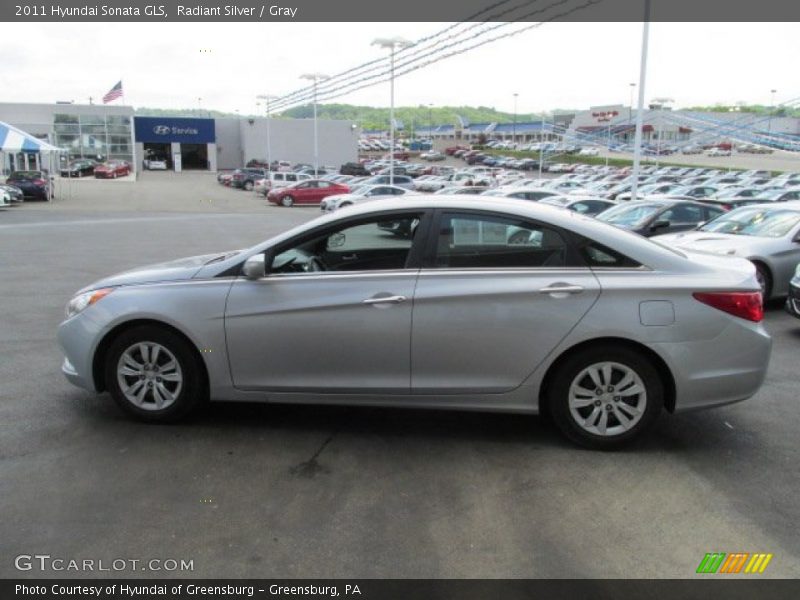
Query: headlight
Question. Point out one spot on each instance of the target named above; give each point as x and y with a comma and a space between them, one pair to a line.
82, 301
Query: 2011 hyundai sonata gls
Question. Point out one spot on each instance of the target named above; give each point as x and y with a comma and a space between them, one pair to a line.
440, 302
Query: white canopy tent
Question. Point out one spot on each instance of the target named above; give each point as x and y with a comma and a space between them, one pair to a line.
18, 143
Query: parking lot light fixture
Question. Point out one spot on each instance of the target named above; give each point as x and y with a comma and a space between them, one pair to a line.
392, 44
315, 78
267, 98
771, 110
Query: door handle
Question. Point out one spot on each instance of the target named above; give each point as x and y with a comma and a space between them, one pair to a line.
561, 288
385, 300
350, 257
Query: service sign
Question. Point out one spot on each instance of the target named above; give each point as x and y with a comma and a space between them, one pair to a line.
183, 130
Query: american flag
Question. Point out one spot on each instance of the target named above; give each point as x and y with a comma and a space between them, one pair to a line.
114, 93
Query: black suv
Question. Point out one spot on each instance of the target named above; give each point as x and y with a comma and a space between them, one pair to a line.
356, 169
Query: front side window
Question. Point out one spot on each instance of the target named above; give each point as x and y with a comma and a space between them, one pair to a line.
380, 244
477, 241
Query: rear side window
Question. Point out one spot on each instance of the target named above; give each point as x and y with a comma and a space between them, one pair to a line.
595, 254
469, 241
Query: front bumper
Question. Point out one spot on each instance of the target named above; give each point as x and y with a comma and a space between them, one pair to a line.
793, 301
78, 339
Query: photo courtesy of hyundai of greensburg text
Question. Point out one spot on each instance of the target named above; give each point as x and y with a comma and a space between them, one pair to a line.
493, 299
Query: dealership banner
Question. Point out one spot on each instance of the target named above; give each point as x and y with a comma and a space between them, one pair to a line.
405, 11
182, 130
405, 589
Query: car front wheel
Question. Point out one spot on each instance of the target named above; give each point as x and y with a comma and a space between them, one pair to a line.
287, 201
248, 186
603, 397
154, 374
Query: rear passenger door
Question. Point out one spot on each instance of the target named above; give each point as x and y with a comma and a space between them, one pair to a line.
494, 297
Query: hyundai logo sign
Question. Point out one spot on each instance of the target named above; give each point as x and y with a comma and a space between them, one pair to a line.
166, 130
175, 130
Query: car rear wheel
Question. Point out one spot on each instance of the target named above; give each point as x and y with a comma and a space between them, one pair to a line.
287, 201
605, 396
154, 374
248, 186
764, 278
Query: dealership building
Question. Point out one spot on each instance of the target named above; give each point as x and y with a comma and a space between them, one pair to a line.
105, 132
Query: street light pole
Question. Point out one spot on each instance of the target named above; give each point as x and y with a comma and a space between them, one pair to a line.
771, 110
514, 127
541, 147
630, 106
267, 98
661, 102
392, 44
430, 124
315, 78
637, 144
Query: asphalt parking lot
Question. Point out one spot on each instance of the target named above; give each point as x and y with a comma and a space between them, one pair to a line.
303, 491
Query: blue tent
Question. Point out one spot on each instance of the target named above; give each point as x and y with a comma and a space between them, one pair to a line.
16, 140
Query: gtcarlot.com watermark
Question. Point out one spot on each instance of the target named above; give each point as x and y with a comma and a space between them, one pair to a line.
48, 563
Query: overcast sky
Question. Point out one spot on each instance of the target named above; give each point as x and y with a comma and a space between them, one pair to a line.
559, 65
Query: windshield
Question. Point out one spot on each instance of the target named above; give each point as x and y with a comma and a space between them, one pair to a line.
631, 215
759, 222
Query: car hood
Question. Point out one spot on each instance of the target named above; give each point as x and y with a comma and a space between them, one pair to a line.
174, 270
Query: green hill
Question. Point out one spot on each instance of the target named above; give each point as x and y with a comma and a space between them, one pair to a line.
368, 117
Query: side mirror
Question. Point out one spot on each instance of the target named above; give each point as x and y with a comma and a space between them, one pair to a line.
254, 267
659, 225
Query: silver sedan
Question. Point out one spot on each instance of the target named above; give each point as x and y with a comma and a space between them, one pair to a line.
431, 303
766, 234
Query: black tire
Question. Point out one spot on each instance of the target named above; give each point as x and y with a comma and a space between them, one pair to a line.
193, 392
248, 186
558, 395
764, 279
287, 201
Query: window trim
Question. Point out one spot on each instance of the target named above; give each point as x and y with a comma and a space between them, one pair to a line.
429, 257
413, 261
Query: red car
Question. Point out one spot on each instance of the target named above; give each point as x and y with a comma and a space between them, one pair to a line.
306, 192
112, 169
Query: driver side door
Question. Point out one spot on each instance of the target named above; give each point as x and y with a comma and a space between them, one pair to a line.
343, 329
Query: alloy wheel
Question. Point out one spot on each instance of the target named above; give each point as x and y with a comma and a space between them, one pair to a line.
149, 376
607, 398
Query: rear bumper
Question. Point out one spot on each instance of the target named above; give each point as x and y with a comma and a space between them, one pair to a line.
726, 369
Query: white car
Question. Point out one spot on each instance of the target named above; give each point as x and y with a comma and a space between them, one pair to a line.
589, 152
5, 199
359, 194
719, 152
155, 164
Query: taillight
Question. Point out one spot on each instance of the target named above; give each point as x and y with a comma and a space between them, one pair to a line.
727, 206
745, 305
38, 182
